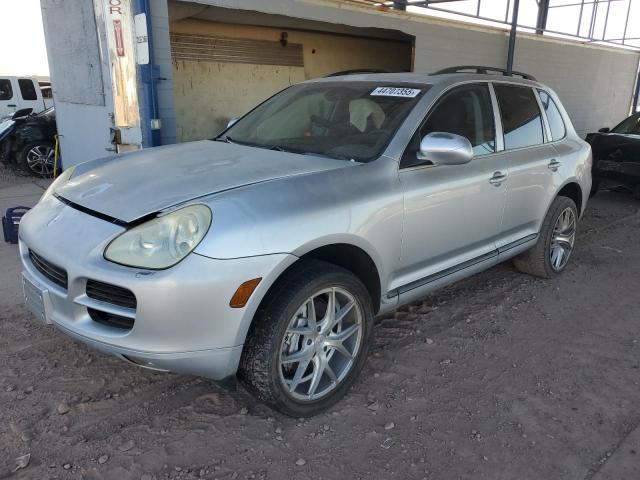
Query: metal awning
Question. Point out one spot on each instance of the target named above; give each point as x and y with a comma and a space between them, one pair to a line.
593, 18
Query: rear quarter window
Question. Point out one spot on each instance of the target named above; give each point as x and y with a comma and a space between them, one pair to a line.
521, 117
27, 89
6, 92
556, 123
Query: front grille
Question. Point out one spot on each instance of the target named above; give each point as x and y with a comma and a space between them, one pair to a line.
52, 272
110, 320
112, 294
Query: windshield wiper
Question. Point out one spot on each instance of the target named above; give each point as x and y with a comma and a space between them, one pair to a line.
225, 139
228, 139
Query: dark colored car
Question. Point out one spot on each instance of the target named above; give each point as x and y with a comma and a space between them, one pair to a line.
27, 141
616, 155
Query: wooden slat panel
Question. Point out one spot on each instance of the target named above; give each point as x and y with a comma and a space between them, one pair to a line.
235, 50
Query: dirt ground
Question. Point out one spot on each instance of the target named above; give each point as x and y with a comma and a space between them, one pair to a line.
501, 376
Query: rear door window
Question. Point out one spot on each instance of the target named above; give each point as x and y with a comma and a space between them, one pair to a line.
521, 117
629, 126
27, 89
556, 123
6, 92
465, 111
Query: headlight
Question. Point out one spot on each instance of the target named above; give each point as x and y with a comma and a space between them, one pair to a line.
161, 242
58, 182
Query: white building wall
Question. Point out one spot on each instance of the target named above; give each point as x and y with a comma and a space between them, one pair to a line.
595, 85
78, 79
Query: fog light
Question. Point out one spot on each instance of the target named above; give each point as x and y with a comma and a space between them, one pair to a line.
244, 291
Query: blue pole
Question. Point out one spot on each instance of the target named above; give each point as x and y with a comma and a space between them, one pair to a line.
149, 75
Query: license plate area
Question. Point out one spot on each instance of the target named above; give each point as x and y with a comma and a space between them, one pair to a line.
36, 299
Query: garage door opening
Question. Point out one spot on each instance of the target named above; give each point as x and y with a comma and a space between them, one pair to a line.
226, 61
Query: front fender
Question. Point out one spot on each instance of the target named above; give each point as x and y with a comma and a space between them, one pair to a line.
360, 206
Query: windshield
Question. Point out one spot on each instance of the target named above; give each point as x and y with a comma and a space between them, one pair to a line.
346, 120
629, 126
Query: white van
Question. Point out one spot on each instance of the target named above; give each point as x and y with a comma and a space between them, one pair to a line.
21, 92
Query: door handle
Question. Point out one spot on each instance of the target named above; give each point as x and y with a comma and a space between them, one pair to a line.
554, 165
11, 105
497, 179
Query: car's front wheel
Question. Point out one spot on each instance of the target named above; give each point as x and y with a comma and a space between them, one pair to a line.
555, 244
37, 158
309, 340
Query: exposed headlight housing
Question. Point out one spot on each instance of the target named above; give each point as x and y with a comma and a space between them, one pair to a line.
63, 178
162, 242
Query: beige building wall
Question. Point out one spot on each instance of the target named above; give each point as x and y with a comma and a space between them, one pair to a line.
207, 94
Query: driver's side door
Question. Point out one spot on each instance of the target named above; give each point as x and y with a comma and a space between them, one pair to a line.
452, 213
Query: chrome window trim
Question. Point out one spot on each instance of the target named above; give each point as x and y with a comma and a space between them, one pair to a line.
543, 114
392, 148
497, 119
537, 145
564, 123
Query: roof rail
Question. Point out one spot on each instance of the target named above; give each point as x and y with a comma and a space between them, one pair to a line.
484, 70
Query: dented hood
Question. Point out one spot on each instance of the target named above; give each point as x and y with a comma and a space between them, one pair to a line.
132, 185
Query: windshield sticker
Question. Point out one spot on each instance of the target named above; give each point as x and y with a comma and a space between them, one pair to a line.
395, 92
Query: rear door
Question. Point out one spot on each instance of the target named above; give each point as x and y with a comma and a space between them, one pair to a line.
532, 164
453, 213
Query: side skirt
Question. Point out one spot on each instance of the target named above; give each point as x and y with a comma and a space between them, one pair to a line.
419, 288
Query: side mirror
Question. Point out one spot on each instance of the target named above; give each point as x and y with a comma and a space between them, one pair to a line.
23, 112
441, 148
604, 130
232, 121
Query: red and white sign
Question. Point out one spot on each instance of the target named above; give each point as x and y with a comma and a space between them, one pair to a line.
117, 32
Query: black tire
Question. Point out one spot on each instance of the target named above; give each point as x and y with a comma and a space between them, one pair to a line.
23, 162
537, 260
260, 367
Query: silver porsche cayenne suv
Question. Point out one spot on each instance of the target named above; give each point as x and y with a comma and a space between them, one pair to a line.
266, 252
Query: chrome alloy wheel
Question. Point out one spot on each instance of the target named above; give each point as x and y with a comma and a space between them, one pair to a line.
40, 160
321, 344
562, 239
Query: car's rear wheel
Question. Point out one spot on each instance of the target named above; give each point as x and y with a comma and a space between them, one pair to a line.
309, 340
555, 244
37, 158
